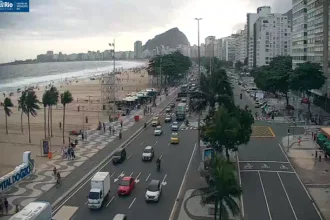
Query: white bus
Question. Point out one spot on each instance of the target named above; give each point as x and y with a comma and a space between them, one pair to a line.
34, 211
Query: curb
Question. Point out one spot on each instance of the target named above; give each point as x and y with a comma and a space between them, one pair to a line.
56, 205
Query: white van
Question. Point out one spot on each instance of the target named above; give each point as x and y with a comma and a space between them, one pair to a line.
34, 211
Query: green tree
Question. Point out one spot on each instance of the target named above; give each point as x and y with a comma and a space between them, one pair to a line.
22, 107
7, 104
223, 189
54, 97
31, 107
46, 103
66, 98
239, 65
307, 76
229, 128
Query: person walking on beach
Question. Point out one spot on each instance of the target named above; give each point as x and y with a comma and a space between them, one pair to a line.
6, 205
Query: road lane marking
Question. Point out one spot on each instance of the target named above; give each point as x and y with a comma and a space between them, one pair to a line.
73, 177
180, 189
163, 181
137, 177
86, 202
131, 174
148, 177
112, 174
156, 142
161, 156
129, 207
142, 143
129, 156
122, 174
267, 171
110, 201
287, 196
263, 190
164, 132
240, 183
168, 144
241, 161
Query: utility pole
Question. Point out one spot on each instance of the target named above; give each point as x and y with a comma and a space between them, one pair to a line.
199, 84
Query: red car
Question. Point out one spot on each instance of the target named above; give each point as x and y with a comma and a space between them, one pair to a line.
126, 186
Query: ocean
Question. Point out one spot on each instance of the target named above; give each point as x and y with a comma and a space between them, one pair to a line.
18, 76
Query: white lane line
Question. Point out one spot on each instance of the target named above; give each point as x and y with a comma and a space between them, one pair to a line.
129, 207
240, 183
268, 171
148, 177
142, 143
287, 196
168, 144
137, 177
263, 190
164, 132
180, 189
129, 156
73, 177
164, 178
155, 142
112, 174
110, 201
161, 156
86, 202
303, 185
131, 174
264, 162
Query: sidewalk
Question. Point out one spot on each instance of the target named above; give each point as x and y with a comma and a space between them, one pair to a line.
40, 185
313, 172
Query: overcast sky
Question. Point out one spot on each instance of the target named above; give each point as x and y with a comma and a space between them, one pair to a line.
80, 25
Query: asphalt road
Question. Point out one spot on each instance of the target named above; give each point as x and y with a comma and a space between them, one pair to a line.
175, 159
271, 187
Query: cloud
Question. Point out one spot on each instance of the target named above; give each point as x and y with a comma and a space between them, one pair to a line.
75, 18
278, 6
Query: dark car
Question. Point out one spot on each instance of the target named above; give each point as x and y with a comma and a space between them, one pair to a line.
172, 105
119, 156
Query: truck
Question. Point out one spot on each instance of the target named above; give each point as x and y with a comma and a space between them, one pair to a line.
100, 189
180, 111
34, 211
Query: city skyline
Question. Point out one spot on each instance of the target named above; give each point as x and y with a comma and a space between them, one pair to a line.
41, 27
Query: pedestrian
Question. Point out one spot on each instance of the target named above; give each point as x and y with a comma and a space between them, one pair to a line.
82, 136
73, 156
121, 123
6, 205
103, 127
113, 130
109, 129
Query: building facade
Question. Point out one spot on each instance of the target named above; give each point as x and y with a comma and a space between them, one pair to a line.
272, 37
138, 49
209, 44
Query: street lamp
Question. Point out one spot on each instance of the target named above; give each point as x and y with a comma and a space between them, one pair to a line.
199, 83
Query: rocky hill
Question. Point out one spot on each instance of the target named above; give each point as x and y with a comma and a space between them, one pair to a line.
171, 38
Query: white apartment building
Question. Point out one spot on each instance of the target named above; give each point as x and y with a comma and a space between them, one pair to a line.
251, 19
217, 48
202, 50
299, 32
194, 51
272, 38
185, 50
241, 46
209, 44
228, 48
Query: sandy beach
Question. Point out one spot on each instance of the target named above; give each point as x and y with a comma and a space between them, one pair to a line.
86, 94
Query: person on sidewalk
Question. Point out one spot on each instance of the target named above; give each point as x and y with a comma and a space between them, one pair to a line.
1, 207
6, 205
121, 123
110, 129
17, 209
103, 127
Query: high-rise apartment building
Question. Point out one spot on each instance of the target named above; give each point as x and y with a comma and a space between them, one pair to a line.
251, 18
209, 44
228, 48
217, 48
272, 37
299, 32
138, 49
241, 46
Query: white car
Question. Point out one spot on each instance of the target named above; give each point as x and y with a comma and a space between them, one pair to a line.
154, 191
168, 118
158, 131
175, 126
148, 153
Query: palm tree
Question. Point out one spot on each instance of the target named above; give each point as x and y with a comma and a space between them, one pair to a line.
7, 104
54, 96
222, 190
31, 107
21, 106
45, 102
66, 98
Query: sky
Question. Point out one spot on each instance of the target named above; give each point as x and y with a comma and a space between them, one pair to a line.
75, 26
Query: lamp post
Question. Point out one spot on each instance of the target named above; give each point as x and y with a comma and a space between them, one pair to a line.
199, 84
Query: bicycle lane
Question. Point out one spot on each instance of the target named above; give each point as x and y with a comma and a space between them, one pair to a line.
99, 144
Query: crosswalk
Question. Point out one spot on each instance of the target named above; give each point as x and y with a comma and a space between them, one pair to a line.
160, 114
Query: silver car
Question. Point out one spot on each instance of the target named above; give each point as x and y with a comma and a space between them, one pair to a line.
158, 131
154, 191
148, 153
175, 126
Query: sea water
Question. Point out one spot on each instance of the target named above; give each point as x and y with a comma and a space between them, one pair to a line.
14, 77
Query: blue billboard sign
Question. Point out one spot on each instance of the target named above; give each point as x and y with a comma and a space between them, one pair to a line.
14, 5
208, 154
